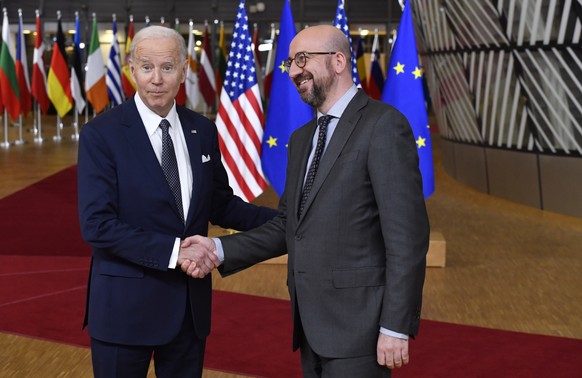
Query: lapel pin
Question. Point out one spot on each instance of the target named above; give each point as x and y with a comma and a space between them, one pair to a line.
193, 131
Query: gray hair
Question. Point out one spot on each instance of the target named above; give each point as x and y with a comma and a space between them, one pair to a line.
158, 32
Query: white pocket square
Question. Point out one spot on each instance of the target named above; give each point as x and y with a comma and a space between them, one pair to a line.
205, 158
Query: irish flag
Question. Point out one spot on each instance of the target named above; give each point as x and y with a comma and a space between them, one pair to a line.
8, 80
95, 85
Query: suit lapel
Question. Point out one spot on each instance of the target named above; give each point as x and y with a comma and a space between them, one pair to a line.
304, 147
343, 130
195, 153
140, 143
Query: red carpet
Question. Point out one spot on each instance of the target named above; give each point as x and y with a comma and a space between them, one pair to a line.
42, 294
40, 218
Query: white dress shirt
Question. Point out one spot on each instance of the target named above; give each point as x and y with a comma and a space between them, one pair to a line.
151, 122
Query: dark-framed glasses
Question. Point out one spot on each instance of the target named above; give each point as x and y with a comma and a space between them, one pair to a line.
302, 56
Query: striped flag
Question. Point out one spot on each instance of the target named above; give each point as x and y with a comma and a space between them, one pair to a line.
404, 90
206, 76
22, 71
341, 22
126, 80
268, 79
257, 57
361, 64
8, 80
221, 66
192, 88
240, 115
286, 111
95, 85
181, 95
76, 70
376, 79
59, 80
113, 79
38, 70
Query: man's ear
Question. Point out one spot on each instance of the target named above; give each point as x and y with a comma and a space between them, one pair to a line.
339, 62
184, 70
131, 70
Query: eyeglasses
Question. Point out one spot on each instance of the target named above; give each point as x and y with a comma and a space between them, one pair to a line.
301, 58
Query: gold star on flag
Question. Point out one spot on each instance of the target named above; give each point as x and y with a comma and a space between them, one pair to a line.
399, 68
420, 142
282, 66
272, 142
417, 73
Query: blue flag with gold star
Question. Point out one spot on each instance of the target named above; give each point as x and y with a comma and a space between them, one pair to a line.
286, 110
403, 89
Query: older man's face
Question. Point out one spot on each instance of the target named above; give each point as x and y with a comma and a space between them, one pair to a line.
158, 70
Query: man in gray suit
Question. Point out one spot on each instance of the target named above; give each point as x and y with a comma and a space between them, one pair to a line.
352, 219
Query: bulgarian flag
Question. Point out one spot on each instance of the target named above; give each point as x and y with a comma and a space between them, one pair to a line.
95, 85
8, 80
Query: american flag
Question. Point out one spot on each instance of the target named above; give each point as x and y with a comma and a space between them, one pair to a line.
341, 22
240, 117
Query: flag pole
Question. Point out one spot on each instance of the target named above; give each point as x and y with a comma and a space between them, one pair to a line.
34, 129
58, 137
19, 141
5, 144
38, 138
75, 135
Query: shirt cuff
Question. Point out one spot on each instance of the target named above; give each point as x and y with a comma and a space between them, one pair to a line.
393, 334
175, 253
219, 249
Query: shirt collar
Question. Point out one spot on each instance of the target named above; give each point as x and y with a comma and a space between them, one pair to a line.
150, 119
338, 108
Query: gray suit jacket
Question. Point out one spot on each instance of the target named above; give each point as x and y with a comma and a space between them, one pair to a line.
357, 253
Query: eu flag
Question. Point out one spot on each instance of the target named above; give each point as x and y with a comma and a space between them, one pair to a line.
404, 90
286, 110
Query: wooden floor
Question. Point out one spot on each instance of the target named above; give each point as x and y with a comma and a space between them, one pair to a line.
508, 267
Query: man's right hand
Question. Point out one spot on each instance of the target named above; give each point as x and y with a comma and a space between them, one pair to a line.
197, 256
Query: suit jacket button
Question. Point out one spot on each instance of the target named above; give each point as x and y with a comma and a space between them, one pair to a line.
298, 237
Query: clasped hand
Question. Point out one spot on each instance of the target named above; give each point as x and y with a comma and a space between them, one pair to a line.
197, 256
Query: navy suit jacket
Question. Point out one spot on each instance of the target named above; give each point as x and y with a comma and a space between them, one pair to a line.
129, 217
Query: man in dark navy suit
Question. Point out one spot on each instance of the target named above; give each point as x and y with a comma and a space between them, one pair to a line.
150, 174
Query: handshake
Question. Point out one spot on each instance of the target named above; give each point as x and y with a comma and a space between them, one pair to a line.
198, 256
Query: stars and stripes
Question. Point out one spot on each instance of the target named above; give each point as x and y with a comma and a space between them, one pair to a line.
341, 22
240, 116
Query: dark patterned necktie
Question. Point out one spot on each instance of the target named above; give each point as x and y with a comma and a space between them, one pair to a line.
322, 122
170, 166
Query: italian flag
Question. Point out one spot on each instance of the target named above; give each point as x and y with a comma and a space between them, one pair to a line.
8, 81
95, 86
